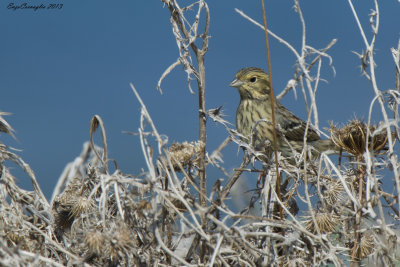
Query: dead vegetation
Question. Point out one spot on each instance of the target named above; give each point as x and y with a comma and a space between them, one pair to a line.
336, 210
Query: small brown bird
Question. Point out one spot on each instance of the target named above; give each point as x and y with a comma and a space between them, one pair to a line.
254, 116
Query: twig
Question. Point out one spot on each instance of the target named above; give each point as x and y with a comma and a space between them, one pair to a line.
234, 178
290, 85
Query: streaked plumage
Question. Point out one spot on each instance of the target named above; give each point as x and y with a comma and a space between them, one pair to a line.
255, 105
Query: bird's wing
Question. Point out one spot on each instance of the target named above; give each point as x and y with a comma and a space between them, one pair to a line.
293, 128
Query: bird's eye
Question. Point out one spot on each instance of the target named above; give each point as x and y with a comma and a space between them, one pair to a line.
253, 79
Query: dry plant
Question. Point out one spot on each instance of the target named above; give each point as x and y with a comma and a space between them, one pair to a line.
323, 214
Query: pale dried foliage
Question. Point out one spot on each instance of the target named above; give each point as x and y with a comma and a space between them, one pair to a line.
336, 210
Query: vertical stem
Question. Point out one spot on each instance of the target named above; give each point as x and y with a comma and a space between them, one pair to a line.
202, 136
166, 227
355, 254
397, 88
202, 128
278, 177
189, 34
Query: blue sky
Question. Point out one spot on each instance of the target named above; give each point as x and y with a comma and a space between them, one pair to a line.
58, 68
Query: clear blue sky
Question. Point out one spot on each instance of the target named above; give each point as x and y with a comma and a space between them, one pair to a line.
60, 67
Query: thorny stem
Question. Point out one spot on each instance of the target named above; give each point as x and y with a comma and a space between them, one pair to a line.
355, 254
166, 227
178, 17
202, 117
202, 129
278, 178
202, 136
369, 55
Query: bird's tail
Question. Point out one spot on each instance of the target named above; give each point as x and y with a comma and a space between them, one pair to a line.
326, 146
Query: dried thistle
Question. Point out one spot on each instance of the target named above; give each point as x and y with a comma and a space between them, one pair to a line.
365, 247
353, 137
81, 205
72, 203
185, 154
325, 221
94, 240
120, 241
367, 244
335, 192
297, 259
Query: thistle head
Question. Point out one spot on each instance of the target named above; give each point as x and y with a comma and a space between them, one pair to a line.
354, 138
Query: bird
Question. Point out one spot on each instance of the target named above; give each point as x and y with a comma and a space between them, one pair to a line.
254, 118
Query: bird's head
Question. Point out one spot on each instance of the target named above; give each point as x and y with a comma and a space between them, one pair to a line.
252, 83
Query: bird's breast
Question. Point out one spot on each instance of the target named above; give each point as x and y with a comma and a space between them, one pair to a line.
249, 112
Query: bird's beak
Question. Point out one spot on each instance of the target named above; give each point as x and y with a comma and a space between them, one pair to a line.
236, 83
